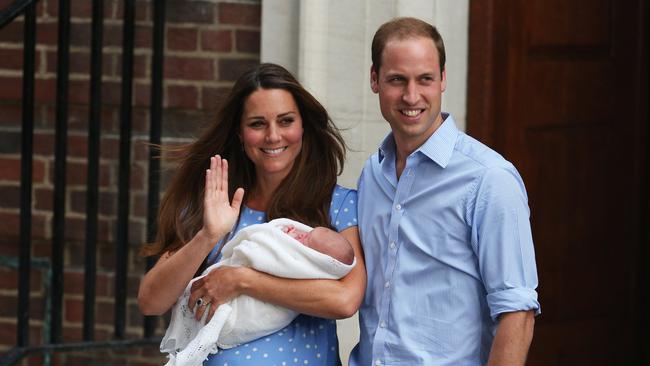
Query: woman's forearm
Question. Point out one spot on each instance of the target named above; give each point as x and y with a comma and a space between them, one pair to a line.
166, 281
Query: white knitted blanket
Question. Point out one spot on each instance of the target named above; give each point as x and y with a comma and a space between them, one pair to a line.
265, 248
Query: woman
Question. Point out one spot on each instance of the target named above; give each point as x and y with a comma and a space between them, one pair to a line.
274, 141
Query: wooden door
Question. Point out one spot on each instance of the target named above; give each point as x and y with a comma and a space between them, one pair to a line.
559, 87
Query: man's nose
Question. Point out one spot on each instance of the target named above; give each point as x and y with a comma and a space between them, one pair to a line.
411, 94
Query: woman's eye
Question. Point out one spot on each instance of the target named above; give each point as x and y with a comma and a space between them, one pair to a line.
287, 121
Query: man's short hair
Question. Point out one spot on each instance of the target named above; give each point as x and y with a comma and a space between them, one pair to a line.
403, 28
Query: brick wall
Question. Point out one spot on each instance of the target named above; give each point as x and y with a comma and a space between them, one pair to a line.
207, 45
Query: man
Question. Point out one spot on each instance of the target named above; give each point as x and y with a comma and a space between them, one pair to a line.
444, 224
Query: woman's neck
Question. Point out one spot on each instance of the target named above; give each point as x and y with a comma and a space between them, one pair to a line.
262, 192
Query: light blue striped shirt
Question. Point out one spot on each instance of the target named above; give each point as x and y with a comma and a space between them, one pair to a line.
448, 248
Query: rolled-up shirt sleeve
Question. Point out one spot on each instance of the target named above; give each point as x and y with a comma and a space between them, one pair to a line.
503, 243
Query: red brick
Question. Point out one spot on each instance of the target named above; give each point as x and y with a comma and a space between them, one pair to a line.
79, 62
110, 147
8, 306
105, 283
43, 199
138, 177
45, 90
231, 68
196, 12
12, 114
181, 123
13, 32
113, 35
36, 306
75, 229
9, 225
73, 310
216, 40
140, 120
134, 316
182, 96
142, 94
73, 282
10, 169
107, 204
143, 36
11, 59
140, 66
10, 142
12, 88
47, 33
213, 97
241, 14
111, 92
71, 333
78, 8
104, 313
189, 68
77, 173
140, 205
9, 278
10, 196
141, 151
182, 39
77, 146
7, 333
248, 41
43, 143
142, 10
80, 34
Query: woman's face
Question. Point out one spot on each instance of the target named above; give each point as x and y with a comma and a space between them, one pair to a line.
271, 132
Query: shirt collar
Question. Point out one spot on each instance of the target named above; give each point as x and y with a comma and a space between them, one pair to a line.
439, 147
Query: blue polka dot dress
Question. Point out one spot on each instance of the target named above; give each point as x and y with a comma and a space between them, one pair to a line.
308, 340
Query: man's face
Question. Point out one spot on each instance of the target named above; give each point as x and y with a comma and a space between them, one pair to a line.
410, 86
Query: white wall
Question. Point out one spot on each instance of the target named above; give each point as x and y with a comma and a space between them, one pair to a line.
326, 44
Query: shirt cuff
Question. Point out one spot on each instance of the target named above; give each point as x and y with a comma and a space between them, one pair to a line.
513, 299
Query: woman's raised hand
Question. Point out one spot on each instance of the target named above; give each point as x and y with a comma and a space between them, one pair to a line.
219, 214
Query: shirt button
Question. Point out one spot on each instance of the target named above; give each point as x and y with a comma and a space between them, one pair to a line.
382, 324
398, 207
387, 284
378, 363
392, 245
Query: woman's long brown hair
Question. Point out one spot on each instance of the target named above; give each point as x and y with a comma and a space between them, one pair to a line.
304, 195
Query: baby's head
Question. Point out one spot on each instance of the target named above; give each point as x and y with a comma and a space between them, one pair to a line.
330, 242
325, 241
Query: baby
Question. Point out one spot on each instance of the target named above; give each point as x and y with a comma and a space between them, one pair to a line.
323, 240
281, 247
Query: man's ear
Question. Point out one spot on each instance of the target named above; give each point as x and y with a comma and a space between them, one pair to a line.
374, 80
443, 82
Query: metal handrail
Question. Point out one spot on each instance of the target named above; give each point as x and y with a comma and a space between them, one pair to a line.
13, 10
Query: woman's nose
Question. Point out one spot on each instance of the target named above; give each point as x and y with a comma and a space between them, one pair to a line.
272, 133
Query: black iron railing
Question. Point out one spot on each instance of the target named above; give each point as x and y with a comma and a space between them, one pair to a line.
25, 262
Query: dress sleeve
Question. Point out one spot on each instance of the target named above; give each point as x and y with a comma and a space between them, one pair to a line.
343, 209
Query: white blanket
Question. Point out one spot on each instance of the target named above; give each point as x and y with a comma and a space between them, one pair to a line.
265, 248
